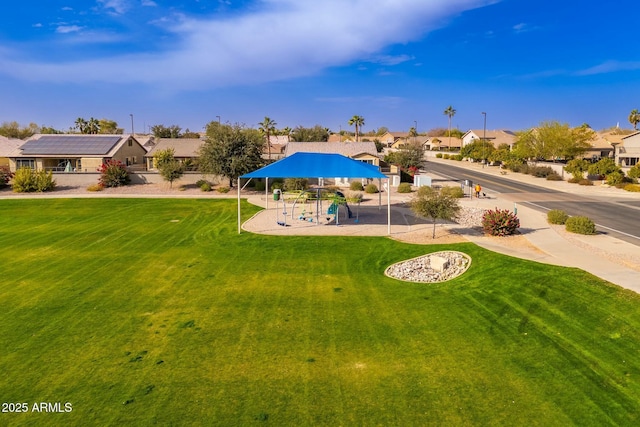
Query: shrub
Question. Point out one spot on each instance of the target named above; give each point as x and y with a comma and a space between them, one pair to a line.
371, 189
205, 186
259, 186
455, 192
446, 156
557, 216
580, 225
438, 155
635, 188
634, 172
356, 186
554, 176
541, 171
577, 167
575, 180
604, 166
200, 182
95, 187
404, 187
113, 173
277, 183
615, 178
294, 184
5, 176
26, 180
353, 197
585, 182
223, 189
500, 222
458, 157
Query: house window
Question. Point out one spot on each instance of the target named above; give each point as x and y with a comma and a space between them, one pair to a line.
134, 160
25, 163
130, 143
368, 161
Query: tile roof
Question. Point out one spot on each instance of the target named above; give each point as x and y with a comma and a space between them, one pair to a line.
183, 147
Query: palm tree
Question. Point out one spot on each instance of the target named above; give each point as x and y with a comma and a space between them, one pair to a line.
268, 127
358, 122
450, 111
287, 132
634, 118
81, 124
93, 126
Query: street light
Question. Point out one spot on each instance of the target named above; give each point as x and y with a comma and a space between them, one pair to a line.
415, 131
132, 132
218, 119
484, 136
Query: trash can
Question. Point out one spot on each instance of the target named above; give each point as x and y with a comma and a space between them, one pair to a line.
276, 194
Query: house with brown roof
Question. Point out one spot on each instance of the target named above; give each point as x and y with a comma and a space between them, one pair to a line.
185, 150
7, 147
390, 138
440, 143
76, 152
495, 137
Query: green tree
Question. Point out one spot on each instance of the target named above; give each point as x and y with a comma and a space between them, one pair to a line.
314, 134
168, 166
450, 112
358, 122
190, 135
634, 118
577, 168
49, 130
552, 140
268, 128
287, 132
93, 126
81, 125
107, 126
161, 131
410, 155
14, 130
478, 150
435, 204
231, 150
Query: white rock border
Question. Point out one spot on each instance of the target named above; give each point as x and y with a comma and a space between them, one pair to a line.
421, 270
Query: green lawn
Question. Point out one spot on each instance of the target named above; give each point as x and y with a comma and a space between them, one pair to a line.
155, 311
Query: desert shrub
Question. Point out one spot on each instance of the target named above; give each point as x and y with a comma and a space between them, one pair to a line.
519, 167
541, 171
353, 197
457, 157
634, 188
585, 182
205, 186
26, 180
259, 186
634, 172
294, 184
554, 176
5, 176
574, 180
615, 178
604, 166
557, 216
446, 156
455, 192
371, 189
577, 168
223, 189
113, 173
95, 187
276, 183
356, 186
200, 182
513, 165
580, 225
438, 155
404, 187
500, 222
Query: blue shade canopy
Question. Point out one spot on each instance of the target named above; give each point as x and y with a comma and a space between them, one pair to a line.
317, 165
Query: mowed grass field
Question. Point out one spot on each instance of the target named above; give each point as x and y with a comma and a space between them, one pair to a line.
155, 311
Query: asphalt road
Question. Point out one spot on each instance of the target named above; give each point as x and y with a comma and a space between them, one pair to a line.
617, 217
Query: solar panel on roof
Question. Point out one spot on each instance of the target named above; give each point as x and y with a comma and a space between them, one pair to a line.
70, 145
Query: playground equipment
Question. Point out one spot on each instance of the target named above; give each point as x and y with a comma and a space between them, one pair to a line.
320, 195
277, 196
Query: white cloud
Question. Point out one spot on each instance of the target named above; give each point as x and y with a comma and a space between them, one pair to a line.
149, 3
65, 29
67, 8
273, 40
37, 25
119, 7
610, 67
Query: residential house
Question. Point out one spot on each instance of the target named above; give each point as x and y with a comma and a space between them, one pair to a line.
601, 146
390, 138
76, 152
440, 143
628, 152
496, 137
401, 142
7, 147
186, 150
277, 144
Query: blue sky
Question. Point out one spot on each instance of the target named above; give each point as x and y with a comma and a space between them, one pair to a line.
394, 62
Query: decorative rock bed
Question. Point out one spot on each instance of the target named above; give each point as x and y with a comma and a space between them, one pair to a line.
431, 268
